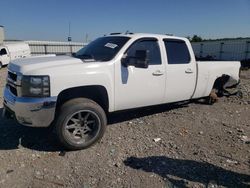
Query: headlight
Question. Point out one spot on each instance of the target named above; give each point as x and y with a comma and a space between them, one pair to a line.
35, 86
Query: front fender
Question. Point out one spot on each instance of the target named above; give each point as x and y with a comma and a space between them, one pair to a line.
83, 75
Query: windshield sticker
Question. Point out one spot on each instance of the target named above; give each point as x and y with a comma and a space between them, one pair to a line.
111, 45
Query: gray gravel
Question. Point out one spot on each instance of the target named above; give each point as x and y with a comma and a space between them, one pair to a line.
185, 145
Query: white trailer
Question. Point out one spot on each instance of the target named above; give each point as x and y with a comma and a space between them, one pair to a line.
11, 51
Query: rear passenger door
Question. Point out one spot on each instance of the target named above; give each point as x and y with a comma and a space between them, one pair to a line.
180, 71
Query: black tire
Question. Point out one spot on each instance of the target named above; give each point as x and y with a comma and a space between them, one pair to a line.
1, 65
72, 136
212, 98
209, 100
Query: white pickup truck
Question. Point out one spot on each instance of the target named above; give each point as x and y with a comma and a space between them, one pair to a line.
113, 73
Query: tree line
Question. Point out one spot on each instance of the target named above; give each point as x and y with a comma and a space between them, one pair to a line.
196, 38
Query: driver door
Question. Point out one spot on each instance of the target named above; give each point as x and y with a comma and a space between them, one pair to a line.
138, 87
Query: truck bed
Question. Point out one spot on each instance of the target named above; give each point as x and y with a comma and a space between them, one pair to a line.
209, 71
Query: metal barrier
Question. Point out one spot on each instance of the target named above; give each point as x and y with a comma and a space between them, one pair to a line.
58, 49
238, 50
54, 47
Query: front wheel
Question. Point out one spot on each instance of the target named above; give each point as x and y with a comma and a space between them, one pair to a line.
81, 123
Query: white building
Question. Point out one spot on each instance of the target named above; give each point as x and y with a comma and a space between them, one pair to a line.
1, 34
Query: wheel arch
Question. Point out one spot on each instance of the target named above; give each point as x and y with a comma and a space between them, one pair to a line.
96, 93
220, 81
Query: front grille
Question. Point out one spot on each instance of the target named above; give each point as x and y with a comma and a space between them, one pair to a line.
13, 90
12, 83
12, 76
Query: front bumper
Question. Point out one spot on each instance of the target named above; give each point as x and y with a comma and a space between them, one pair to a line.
32, 112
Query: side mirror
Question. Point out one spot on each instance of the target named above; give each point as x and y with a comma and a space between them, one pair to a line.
140, 60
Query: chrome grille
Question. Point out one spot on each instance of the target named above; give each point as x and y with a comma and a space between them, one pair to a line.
12, 76
12, 83
13, 90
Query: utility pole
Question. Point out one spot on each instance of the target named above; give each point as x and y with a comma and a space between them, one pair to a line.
69, 36
86, 38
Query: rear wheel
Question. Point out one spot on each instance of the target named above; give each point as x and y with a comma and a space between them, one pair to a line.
80, 124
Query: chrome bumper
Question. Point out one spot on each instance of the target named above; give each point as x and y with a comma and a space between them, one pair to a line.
32, 112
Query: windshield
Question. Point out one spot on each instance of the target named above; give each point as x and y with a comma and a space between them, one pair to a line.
102, 49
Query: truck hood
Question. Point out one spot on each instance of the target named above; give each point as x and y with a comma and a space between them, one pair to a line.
26, 65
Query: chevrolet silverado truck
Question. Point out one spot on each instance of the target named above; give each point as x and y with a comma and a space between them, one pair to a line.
113, 73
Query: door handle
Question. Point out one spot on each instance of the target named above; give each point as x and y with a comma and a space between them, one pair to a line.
158, 73
188, 71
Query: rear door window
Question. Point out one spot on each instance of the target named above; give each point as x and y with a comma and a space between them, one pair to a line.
177, 51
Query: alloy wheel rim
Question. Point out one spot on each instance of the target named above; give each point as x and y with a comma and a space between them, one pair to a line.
82, 127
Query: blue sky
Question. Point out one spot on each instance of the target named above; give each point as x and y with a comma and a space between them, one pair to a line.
49, 19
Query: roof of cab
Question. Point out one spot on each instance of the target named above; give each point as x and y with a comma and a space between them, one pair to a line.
140, 35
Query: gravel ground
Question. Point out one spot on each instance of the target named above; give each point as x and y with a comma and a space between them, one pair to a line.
184, 145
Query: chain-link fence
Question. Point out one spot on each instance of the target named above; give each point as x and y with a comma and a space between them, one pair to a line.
237, 50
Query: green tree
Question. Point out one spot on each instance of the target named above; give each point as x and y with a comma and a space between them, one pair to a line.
196, 38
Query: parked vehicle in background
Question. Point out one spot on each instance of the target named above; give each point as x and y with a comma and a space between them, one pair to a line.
12, 51
112, 73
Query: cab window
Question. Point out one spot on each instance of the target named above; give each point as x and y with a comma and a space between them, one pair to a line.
3, 51
149, 45
177, 51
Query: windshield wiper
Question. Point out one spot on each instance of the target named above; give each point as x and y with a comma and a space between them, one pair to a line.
103, 59
85, 56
